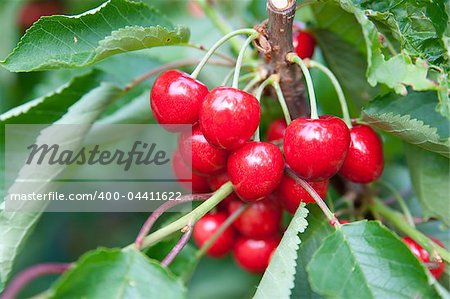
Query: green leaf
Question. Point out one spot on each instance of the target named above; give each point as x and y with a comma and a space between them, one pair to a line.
412, 118
366, 260
430, 175
278, 279
16, 226
183, 264
115, 27
418, 25
112, 273
396, 72
318, 229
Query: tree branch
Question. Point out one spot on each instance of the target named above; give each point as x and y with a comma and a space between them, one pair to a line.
281, 16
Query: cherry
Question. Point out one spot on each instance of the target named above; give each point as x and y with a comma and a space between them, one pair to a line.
303, 41
229, 117
205, 229
198, 183
204, 158
260, 219
254, 255
364, 162
316, 148
424, 256
290, 193
255, 170
276, 130
176, 99
215, 182
31, 12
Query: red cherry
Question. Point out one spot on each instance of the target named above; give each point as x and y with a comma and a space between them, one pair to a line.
276, 130
205, 229
187, 179
31, 12
364, 162
260, 219
254, 255
176, 99
344, 221
316, 148
229, 117
291, 194
204, 158
424, 256
255, 170
215, 182
303, 41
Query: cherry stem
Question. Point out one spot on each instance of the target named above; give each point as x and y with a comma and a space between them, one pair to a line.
216, 46
220, 230
337, 87
258, 96
168, 66
240, 58
187, 232
192, 217
28, 275
400, 201
281, 100
219, 21
312, 96
398, 220
257, 78
160, 210
322, 205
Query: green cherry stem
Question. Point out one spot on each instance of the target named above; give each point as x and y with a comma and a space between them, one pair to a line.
258, 96
400, 201
191, 217
240, 58
312, 96
337, 87
227, 77
319, 201
221, 229
257, 78
398, 221
284, 108
216, 46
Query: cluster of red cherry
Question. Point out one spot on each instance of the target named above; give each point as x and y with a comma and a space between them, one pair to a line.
219, 150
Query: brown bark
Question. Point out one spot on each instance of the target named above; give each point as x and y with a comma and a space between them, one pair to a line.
280, 38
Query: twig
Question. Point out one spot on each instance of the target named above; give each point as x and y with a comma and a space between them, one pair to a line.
160, 210
187, 232
30, 274
280, 38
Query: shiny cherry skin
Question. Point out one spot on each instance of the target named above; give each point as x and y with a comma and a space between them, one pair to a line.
255, 170
290, 193
276, 130
304, 42
176, 99
215, 182
198, 184
205, 229
229, 117
424, 256
253, 255
260, 219
196, 151
316, 148
364, 162
31, 12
